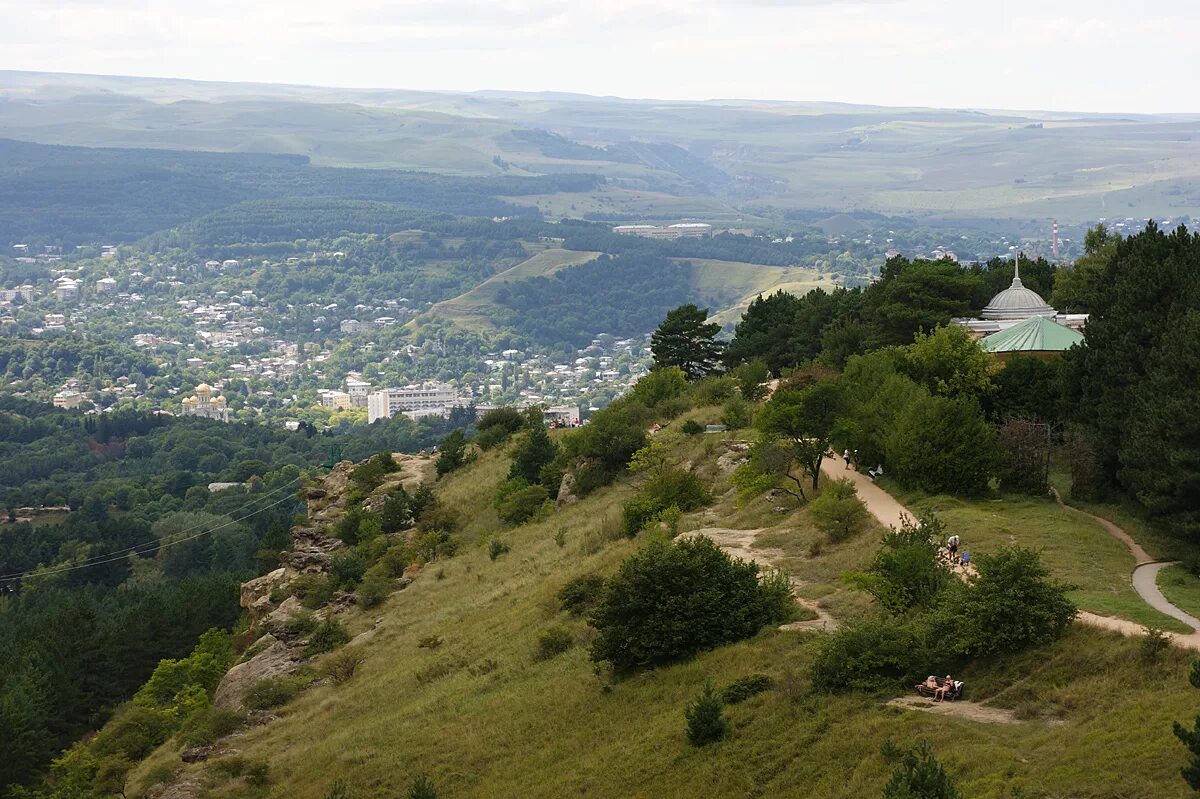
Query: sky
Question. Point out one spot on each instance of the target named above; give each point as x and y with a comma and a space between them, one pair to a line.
1069, 55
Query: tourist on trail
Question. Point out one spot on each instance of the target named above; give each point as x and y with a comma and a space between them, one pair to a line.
846, 458
952, 545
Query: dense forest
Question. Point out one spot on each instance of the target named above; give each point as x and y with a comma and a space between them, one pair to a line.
73, 195
80, 628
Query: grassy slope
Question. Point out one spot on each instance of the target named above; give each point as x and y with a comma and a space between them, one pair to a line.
1076, 549
474, 308
551, 729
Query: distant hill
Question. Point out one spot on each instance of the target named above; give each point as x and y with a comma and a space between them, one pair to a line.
746, 156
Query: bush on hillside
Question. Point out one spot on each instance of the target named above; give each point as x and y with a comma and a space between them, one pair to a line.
553, 642
535, 452
422, 788
371, 472
673, 599
346, 568
340, 666
713, 390
737, 414
869, 655
919, 775
669, 488
496, 548
522, 504
1012, 605
691, 427
313, 590
273, 692
705, 717
452, 453
326, 637
838, 512
495, 426
600, 449
375, 586
659, 386
209, 725
907, 572
743, 688
751, 378
579, 595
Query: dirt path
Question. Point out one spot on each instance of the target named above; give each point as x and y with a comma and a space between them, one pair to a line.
740, 544
884, 507
960, 709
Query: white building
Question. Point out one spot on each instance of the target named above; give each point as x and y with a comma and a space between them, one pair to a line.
106, 285
353, 326
412, 401
66, 289
358, 391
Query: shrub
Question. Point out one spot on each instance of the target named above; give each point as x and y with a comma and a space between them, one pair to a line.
496, 548
340, 666
673, 599
669, 488
535, 453
273, 692
751, 378
659, 386
257, 774
396, 513
553, 642
606, 442
430, 642
1153, 646
313, 590
713, 390
838, 512
705, 717
422, 788
737, 414
435, 544
867, 656
301, 624
347, 568
451, 453
579, 595
396, 559
691, 427
920, 776
328, 636
375, 586
495, 426
523, 504
1025, 448
906, 572
371, 472
210, 724
560, 537
743, 688
1011, 606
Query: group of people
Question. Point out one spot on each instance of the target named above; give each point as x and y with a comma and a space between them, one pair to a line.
940, 689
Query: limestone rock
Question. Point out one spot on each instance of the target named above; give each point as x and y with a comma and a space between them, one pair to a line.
566, 491
737, 453
277, 659
256, 594
278, 619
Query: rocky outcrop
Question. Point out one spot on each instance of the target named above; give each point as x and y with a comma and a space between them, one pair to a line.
566, 491
312, 550
256, 594
736, 453
276, 658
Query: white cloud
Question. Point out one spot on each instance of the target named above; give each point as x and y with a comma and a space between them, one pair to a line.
1071, 54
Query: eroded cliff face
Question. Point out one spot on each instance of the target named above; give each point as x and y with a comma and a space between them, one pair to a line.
269, 600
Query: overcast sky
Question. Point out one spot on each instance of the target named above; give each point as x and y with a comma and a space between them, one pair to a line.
1089, 55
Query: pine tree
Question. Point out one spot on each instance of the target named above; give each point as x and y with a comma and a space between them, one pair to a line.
920, 776
535, 452
1190, 737
705, 717
685, 339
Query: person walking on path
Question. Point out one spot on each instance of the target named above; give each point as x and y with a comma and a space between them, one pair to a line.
846, 458
952, 545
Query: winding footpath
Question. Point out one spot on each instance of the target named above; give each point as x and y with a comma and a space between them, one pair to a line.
888, 510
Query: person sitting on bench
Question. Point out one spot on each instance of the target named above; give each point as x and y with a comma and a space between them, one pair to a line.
946, 687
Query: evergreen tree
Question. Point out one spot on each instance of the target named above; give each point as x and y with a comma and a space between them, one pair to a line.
451, 453
920, 776
705, 717
535, 453
686, 340
1190, 737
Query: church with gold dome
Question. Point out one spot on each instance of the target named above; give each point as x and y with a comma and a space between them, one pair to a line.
204, 403
1019, 321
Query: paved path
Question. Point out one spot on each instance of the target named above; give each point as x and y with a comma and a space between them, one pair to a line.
884, 507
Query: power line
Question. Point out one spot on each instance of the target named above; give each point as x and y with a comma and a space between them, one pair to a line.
100, 560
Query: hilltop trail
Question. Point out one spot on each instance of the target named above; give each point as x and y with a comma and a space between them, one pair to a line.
888, 510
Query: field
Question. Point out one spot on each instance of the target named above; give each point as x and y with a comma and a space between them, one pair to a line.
481, 717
